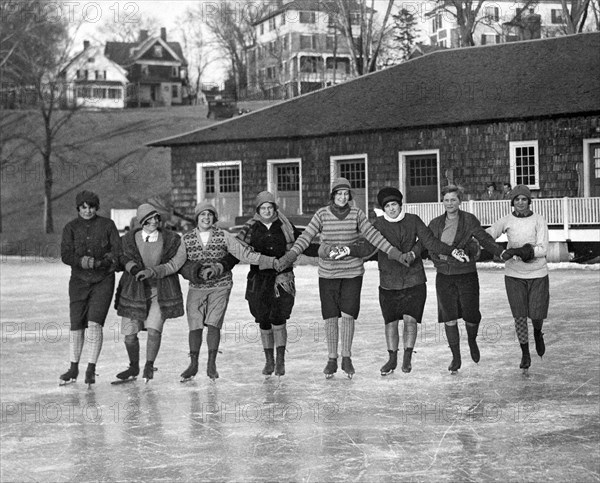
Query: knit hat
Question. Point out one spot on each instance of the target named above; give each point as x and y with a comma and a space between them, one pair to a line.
265, 197
388, 194
88, 197
340, 184
203, 206
518, 190
144, 212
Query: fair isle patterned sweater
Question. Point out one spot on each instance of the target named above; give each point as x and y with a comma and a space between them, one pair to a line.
338, 232
218, 245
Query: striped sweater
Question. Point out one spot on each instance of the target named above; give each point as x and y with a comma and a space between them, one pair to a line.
338, 232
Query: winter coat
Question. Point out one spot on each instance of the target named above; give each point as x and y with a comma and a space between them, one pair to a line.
133, 297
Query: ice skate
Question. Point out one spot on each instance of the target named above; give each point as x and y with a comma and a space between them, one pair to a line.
211, 366
269, 364
149, 370
347, 367
456, 360
406, 361
525, 359
280, 362
192, 369
128, 375
390, 365
540, 346
70, 376
474, 349
331, 368
90, 375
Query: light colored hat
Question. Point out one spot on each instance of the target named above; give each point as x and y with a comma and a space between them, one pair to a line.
203, 206
340, 184
144, 212
518, 190
265, 197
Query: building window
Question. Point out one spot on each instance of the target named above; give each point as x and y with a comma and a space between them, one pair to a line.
354, 170
307, 17
422, 171
158, 51
355, 18
487, 39
145, 70
174, 72
262, 28
596, 156
524, 164
114, 93
288, 177
175, 91
229, 180
330, 42
91, 60
209, 181
78, 74
283, 19
557, 16
436, 22
308, 41
311, 65
272, 25
286, 43
492, 14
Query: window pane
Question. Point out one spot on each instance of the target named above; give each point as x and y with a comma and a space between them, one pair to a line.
209, 181
229, 180
422, 171
597, 162
525, 165
288, 178
354, 171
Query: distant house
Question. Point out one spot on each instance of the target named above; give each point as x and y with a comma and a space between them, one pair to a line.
298, 49
156, 70
94, 81
524, 112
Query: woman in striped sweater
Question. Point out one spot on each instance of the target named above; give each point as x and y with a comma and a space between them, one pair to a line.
340, 281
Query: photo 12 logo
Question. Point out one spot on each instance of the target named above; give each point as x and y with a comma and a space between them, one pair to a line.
72, 12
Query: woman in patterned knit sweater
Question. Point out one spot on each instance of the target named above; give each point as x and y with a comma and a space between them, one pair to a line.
211, 254
526, 272
149, 290
340, 281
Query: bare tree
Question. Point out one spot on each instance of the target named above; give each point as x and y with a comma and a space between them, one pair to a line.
575, 14
35, 65
363, 36
125, 26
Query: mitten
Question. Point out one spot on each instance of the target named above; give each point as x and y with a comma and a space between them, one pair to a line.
87, 263
473, 249
339, 252
266, 263
507, 254
286, 261
460, 255
395, 254
407, 258
324, 250
135, 270
526, 252
214, 270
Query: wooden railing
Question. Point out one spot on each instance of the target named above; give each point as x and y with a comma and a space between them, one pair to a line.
561, 213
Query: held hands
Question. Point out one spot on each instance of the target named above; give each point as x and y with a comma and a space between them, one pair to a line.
407, 258
87, 263
144, 274
337, 253
285, 261
525, 253
214, 270
460, 255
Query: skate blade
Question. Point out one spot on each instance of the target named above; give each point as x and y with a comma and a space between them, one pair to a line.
454, 373
328, 376
123, 381
187, 379
66, 383
387, 373
406, 370
525, 371
349, 376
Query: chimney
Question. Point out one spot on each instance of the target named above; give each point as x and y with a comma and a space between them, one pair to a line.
143, 35
163, 33
86, 44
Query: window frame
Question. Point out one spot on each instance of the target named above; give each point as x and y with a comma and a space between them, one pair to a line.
334, 173
513, 145
272, 181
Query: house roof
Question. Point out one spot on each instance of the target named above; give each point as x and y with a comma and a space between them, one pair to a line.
518, 80
126, 53
94, 51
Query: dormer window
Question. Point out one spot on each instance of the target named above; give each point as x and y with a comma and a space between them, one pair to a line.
158, 51
91, 60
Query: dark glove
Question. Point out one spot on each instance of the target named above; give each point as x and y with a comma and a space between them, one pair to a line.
102, 263
214, 270
525, 253
473, 249
407, 258
285, 261
135, 270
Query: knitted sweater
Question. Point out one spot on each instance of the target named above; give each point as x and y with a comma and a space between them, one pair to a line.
340, 232
219, 244
519, 231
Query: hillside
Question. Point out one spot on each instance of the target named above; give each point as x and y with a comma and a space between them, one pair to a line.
100, 151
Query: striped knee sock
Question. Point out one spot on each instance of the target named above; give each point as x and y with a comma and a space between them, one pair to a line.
331, 336
521, 329
347, 334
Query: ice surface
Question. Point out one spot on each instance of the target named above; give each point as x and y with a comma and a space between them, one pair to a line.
488, 423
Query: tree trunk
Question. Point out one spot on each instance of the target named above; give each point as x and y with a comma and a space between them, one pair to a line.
48, 218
